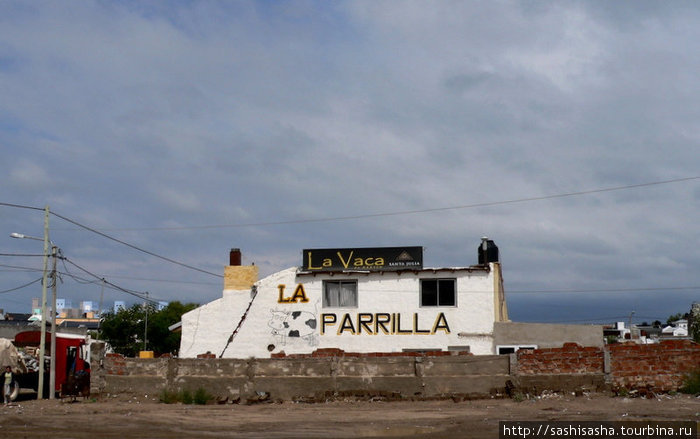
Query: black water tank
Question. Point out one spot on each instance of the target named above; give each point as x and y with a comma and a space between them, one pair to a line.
488, 252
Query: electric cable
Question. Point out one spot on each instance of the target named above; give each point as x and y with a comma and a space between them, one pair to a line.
21, 286
115, 239
140, 295
164, 280
411, 212
343, 218
104, 235
606, 290
17, 267
20, 206
21, 254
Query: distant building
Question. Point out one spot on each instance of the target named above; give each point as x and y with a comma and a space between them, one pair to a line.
679, 328
119, 304
616, 331
161, 305
18, 317
36, 306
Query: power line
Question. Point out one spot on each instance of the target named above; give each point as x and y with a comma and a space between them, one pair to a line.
21, 268
344, 218
411, 212
140, 295
76, 278
79, 279
16, 267
20, 254
104, 235
20, 206
172, 261
21, 286
606, 290
164, 280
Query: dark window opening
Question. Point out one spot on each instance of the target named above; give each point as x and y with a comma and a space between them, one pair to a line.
437, 292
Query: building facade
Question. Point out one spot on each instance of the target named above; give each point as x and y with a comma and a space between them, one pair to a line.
357, 300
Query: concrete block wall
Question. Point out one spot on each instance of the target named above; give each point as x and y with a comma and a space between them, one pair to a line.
288, 378
131, 375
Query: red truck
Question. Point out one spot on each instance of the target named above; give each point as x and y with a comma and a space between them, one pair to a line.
72, 370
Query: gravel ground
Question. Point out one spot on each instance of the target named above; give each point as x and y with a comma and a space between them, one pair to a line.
144, 417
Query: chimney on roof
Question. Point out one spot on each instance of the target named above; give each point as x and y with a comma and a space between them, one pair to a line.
488, 251
237, 276
235, 257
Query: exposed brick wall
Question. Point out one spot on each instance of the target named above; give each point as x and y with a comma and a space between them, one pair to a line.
570, 359
115, 364
661, 366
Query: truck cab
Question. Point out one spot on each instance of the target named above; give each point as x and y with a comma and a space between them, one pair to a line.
70, 357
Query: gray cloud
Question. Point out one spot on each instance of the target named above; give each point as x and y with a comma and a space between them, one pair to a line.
131, 116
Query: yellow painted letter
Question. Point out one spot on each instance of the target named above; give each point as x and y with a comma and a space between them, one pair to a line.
299, 295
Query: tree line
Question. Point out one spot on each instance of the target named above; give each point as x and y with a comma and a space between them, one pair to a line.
143, 328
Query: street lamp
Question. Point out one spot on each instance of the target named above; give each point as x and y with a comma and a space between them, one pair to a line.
42, 343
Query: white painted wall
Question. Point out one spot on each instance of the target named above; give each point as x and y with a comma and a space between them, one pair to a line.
208, 327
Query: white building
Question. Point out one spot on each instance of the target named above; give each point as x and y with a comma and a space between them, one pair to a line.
679, 328
357, 300
119, 305
87, 306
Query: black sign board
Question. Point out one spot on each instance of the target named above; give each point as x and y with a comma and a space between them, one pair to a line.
363, 259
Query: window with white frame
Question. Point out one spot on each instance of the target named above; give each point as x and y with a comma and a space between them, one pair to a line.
340, 294
438, 292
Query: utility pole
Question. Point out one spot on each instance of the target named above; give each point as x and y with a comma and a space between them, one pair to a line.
42, 343
52, 371
44, 286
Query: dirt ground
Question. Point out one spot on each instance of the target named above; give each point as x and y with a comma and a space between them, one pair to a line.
144, 417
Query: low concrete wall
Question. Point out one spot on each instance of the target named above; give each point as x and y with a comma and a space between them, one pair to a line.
659, 367
290, 378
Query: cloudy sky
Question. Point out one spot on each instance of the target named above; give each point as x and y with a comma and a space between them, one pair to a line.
188, 128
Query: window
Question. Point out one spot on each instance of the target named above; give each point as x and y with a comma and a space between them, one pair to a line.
437, 292
340, 293
511, 349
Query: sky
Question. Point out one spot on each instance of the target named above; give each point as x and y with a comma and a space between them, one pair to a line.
565, 131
